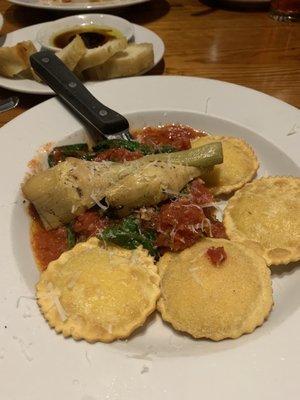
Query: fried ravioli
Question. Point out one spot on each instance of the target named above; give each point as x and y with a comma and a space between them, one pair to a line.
239, 164
265, 215
215, 301
98, 294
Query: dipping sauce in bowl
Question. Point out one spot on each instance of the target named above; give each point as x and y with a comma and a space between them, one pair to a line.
92, 35
94, 29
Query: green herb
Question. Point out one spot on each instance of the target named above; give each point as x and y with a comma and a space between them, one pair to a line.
73, 148
71, 239
89, 156
60, 153
131, 145
128, 234
164, 149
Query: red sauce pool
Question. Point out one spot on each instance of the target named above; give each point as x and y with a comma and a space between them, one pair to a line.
47, 245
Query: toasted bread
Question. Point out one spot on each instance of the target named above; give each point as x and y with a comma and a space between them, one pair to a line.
98, 55
15, 59
135, 59
72, 53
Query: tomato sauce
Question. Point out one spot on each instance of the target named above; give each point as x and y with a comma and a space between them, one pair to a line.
58, 156
176, 136
182, 222
179, 224
89, 224
47, 245
199, 193
216, 255
217, 230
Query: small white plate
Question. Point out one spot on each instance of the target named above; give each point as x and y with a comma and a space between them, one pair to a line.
77, 5
46, 32
156, 362
141, 35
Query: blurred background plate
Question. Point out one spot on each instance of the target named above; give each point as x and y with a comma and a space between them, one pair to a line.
77, 6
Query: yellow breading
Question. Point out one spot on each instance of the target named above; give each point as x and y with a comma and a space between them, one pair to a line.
239, 164
215, 302
265, 215
98, 294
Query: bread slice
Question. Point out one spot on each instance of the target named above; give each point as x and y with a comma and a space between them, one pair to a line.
135, 59
72, 53
98, 55
15, 59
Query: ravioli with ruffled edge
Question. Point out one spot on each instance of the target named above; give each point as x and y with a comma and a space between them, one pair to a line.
215, 301
97, 293
239, 165
265, 215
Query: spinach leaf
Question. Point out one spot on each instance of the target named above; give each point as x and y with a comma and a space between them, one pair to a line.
131, 145
71, 239
60, 153
128, 234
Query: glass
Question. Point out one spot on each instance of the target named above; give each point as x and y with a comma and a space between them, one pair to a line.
285, 10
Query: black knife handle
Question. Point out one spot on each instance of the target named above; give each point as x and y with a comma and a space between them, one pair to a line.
72, 91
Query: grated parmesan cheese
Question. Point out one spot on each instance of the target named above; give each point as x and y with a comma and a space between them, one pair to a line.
56, 302
96, 201
208, 223
109, 329
196, 278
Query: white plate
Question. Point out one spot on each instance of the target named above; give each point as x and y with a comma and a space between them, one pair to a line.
156, 363
141, 35
1, 21
77, 6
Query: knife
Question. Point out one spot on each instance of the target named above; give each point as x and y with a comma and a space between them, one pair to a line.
78, 98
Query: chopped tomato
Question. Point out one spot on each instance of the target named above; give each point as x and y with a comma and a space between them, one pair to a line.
118, 155
218, 230
91, 223
48, 245
216, 255
177, 136
179, 224
200, 193
182, 222
148, 217
57, 156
